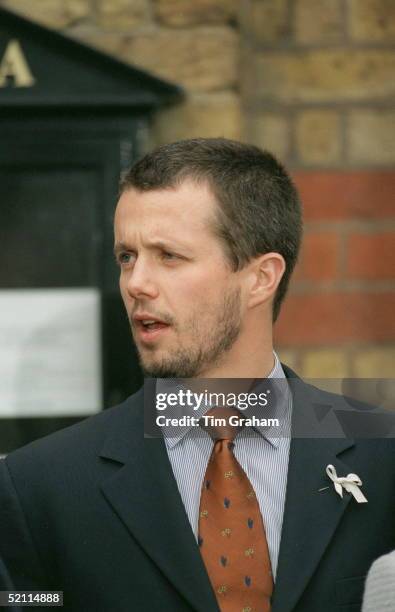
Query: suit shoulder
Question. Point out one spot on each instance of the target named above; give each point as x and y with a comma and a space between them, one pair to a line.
325, 396
337, 400
81, 439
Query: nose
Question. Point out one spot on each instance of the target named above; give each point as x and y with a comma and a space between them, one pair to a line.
140, 282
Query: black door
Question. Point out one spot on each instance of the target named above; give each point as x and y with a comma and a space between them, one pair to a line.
58, 188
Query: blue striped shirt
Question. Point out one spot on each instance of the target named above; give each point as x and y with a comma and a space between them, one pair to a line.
263, 457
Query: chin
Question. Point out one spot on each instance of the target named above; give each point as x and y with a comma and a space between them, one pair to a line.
155, 369
162, 369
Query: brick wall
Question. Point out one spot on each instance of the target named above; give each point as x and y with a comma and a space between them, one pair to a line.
313, 81
339, 316
318, 88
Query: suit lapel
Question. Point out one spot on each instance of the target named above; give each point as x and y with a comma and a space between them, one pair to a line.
144, 495
311, 516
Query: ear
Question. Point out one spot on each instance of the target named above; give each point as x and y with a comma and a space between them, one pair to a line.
265, 275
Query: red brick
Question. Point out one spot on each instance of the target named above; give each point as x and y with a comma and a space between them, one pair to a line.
335, 318
318, 259
371, 256
335, 195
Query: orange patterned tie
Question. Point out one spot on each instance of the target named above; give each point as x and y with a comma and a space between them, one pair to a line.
232, 536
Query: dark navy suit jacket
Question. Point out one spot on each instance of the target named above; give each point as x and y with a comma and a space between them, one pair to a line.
5, 580
7, 585
94, 510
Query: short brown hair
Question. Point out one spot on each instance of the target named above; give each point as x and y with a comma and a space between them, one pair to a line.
259, 210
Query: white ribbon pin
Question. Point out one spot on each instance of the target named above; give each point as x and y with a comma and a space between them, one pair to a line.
350, 483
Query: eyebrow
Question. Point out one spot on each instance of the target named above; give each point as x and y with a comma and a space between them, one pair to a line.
158, 244
119, 247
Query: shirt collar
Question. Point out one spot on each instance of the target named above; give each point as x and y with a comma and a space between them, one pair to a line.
281, 408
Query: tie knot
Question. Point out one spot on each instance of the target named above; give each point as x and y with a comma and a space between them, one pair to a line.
222, 423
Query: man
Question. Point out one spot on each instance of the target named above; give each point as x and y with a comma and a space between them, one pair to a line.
207, 233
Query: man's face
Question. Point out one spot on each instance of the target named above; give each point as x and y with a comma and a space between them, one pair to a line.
173, 271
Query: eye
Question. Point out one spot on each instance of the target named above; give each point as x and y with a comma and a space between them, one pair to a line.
124, 258
168, 256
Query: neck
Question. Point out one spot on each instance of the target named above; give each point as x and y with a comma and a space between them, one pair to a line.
258, 365
235, 376
251, 356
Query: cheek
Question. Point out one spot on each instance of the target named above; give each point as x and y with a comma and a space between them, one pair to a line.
199, 303
195, 295
206, 283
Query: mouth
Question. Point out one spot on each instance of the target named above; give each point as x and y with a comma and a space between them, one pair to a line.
149, 330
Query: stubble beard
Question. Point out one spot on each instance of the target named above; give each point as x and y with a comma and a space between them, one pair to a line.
209, 346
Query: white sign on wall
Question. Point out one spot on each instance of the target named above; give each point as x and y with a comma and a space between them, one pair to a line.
50, 352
